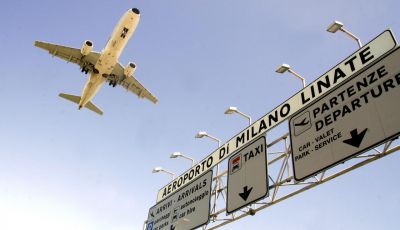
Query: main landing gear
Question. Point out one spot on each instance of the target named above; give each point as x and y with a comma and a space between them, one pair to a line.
86, 68
113, 81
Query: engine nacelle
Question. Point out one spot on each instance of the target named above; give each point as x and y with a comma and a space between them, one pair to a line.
129, 69
87, 47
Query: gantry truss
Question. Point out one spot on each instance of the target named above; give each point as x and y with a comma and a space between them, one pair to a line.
281, 181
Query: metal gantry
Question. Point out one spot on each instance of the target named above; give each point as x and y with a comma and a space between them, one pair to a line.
281, 180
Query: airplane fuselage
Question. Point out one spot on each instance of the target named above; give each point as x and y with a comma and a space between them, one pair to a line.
110, 54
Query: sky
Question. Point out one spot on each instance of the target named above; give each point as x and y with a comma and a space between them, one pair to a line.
61, 168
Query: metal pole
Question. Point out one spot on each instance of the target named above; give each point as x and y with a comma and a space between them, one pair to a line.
189, 158
298, 76
351, 35
215, 139
170, 173
244, 115
216, 179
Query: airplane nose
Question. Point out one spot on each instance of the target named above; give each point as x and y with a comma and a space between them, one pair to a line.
135, 10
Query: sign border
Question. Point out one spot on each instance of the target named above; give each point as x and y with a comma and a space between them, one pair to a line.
209, 202
327, 94
267, 184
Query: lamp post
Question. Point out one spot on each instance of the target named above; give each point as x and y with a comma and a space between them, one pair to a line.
336, 25
232, 110
285, 67
202, 134
179, 154
160, 169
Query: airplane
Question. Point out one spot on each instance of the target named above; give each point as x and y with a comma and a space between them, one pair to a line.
104, 66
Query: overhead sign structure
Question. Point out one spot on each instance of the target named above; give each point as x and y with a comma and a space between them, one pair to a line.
247, 176
349, 66
188, 208
354, 117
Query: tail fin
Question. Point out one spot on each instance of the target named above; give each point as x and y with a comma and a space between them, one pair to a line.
77, 99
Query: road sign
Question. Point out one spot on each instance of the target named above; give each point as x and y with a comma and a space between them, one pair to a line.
188, 208
349, 66
247, 176
352, 118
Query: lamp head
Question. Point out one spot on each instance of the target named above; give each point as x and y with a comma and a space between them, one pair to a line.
231, 110
335, 26
157, 169
283, 68
201, 134
176, 154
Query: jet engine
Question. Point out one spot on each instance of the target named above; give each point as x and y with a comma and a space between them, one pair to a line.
86, 47
129, 69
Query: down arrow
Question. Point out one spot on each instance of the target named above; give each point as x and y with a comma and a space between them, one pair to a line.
356, 138
246, 192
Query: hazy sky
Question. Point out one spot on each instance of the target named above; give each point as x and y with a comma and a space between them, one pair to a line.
61, 168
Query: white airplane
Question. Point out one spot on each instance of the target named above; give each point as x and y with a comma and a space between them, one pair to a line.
104, 66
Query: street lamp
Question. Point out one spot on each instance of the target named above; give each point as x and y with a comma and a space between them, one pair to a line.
232, 110
202, 134
179, 154
336, 25
160, 169
285, 67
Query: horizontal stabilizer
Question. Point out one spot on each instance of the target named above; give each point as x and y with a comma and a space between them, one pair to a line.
94, 108
69, 97
77, 99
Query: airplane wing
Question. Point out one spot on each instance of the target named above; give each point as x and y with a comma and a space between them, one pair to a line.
130, 83
74, 55
70, 54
